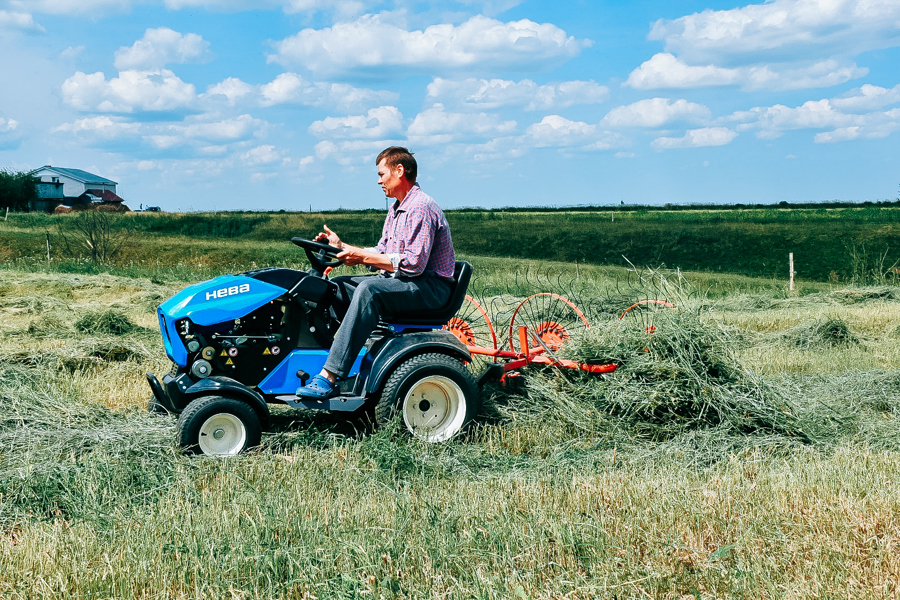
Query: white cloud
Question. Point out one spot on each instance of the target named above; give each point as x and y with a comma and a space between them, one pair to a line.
349, 152
72, 52
261, 155
783, 29
824, 73
435, 125
867, 97
342, 9
232, 88
9, 136
655, 112
131, 91
554, 130
161, 46
222, 5
71, 7
495, 93
664, 70
372, 45
292, 88
164, 142
19, 20
207, 136
772, 121
842, 134
102, 127
697, 138
378, 123
226, 130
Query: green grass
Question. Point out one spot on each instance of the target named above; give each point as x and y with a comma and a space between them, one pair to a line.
849, 244
748, 448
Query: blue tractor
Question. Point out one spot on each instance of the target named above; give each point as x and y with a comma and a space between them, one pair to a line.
242, 342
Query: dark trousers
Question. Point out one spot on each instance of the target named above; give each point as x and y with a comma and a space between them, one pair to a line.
369, 297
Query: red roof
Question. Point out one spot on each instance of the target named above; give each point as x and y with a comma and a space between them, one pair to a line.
107, 195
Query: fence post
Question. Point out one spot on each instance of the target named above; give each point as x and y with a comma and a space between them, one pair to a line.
791, 267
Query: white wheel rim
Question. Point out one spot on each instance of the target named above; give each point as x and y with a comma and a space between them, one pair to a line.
434, 409
222, 434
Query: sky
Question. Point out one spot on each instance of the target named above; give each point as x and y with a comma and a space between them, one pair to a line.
201, 105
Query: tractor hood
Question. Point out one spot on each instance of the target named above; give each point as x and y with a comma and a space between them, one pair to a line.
218, 300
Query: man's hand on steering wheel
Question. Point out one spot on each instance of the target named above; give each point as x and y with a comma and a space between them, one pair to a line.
352, 256
329, 237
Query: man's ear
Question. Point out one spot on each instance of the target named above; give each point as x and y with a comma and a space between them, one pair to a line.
401, 171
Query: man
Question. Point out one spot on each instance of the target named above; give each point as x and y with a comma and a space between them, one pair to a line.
416, 259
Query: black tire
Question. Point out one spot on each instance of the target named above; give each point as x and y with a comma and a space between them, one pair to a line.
155, 407
448, 403
218, 426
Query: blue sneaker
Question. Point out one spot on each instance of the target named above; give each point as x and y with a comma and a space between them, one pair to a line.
318, 388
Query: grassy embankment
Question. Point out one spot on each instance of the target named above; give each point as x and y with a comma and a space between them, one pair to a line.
839, 244
748, 448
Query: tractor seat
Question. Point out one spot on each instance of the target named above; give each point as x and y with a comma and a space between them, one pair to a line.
462, 273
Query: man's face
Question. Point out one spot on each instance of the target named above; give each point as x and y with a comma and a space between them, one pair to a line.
390, 179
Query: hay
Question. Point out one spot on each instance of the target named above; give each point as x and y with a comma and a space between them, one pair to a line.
64, 457
820, 333
48, 324
679, 378
81, 356
110, 322
865, 294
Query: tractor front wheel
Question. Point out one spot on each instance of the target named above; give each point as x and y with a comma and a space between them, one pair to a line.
435, 394
218, 426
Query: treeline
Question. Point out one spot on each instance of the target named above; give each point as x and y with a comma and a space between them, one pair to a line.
684, 207
17, 189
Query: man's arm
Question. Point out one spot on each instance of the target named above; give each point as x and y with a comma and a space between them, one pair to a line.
354, 255
351, 255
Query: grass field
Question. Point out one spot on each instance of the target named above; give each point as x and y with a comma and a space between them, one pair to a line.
748, 448
851, 245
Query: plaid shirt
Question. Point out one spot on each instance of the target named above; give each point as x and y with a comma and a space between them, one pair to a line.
417, 238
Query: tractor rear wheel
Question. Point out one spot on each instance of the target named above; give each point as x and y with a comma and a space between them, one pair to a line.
218, 426
435, 395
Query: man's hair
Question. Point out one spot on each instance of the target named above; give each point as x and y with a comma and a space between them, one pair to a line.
397, 155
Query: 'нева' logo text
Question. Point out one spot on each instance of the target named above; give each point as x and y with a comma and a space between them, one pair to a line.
229, 291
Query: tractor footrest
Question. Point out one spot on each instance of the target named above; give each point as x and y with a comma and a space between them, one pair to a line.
338, 403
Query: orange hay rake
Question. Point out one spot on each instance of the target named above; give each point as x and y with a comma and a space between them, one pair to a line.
541, 325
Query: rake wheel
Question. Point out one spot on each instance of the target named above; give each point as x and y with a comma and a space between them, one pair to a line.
552, 318
472, 326
642, 313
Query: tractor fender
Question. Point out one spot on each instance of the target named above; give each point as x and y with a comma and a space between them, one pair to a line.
398, 349
226, 386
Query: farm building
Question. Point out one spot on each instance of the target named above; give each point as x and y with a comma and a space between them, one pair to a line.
64, 190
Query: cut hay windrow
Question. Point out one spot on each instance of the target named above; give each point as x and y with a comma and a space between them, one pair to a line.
683, 376
820, 333
62, 456
112, 321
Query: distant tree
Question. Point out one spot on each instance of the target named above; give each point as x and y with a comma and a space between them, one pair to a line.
17, 189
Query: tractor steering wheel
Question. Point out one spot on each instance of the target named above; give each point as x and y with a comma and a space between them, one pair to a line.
321, 256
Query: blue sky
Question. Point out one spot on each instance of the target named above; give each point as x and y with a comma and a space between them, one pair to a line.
283, 104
